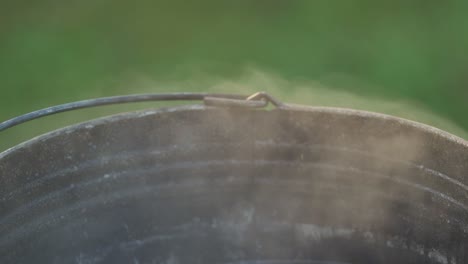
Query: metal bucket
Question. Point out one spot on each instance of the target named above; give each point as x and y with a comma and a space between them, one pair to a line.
201, 184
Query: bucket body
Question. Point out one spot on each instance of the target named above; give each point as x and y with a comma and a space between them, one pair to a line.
197, 184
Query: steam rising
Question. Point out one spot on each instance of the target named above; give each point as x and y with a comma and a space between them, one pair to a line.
300, 91
197, 184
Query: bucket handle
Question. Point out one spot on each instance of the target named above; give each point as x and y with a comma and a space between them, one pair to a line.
257, 100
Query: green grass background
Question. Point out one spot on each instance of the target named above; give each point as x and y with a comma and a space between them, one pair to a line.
407, 58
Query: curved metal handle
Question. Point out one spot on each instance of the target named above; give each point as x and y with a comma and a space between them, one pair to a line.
256, 100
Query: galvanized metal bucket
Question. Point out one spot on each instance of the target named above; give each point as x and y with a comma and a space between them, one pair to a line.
211, 184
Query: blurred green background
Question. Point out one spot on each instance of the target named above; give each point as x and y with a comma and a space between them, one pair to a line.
407, 58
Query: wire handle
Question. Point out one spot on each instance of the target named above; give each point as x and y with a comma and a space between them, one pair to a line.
257, 100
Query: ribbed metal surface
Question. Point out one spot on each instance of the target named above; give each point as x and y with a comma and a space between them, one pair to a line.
210, 185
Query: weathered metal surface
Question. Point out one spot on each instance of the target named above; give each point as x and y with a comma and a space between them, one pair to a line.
198, 184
